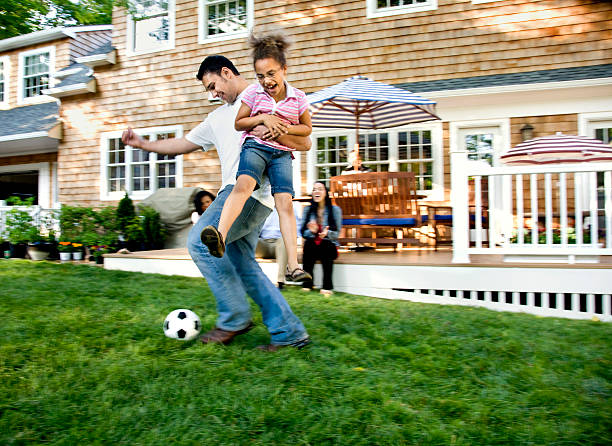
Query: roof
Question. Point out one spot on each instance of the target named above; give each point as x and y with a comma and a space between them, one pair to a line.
48, 35
29, 119
496, 80
76, 73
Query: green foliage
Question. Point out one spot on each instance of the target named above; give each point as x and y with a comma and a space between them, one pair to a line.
84, 361
78, 224
556, 236
19, 17
125, 213
17, 201
20, 227
153, 231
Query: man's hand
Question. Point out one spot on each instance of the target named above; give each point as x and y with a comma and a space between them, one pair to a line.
261, 132
275, 125
130, 138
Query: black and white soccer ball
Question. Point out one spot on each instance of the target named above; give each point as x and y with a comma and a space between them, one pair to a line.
182, 324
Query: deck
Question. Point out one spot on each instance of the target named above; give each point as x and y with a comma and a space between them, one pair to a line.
578, 291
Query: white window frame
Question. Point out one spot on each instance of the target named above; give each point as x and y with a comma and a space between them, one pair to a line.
501, 138
202, 24
587, 124
171, 33
436, 193
21, 99
46, 195
372, 10
105, 194
5, 60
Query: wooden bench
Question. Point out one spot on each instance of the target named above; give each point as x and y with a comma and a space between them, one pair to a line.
374, 201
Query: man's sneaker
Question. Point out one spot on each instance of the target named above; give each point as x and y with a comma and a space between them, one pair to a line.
297, 275
213, 241
298, 345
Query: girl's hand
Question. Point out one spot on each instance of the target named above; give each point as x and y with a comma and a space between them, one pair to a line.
276, 125
312, 226
324, 232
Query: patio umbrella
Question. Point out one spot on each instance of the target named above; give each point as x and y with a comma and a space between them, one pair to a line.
558, 148
361, 103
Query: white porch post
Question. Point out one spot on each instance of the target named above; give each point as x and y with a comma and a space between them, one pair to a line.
459, 201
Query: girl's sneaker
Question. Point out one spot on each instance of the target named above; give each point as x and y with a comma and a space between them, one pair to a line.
297, 275
213, 241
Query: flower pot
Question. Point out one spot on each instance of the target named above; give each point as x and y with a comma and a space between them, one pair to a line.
65, 256
18, 251
100, 260
77, 255
38, 253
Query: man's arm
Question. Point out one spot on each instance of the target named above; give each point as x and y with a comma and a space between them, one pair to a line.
299, 143
173, 146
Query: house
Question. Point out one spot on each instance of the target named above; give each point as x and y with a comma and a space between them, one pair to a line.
501, 72
494, 67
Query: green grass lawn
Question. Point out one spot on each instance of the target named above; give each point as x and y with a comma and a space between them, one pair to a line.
83, 361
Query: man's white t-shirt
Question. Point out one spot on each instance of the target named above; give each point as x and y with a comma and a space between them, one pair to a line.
217, 131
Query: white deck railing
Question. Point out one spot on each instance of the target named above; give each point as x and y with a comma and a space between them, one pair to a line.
546, 213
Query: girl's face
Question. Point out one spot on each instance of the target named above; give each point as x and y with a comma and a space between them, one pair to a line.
205, 202
271, 76
318, 192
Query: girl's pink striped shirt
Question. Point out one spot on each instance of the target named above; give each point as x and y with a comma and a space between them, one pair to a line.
289, 109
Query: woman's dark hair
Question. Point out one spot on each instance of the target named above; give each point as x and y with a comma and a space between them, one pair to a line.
311, 212
214, 64
197, 200
273, 45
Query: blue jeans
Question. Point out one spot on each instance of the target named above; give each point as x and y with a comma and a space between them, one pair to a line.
258, 159
237, 273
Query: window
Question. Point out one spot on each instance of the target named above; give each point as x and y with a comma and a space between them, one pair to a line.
481, 140
382, 8
135, 171
374, 151
331, 157
223, 19
416, 148
600, 128
415, 154
4, 82
36, 68
150, 26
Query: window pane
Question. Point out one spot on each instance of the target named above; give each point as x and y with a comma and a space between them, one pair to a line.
151, 33
35, 74
226, 17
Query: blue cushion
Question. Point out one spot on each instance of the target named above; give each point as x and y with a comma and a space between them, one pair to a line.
380, 221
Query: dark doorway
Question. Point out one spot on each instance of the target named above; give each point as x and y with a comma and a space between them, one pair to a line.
20, 184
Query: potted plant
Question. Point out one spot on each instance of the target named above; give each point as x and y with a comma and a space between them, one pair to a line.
19, 230
41, 240
65, 250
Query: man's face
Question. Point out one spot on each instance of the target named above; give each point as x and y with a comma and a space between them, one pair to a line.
221, 86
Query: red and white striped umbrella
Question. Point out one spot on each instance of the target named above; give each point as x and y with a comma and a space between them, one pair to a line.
558, 148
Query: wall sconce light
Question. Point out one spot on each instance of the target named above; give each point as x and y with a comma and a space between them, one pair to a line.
527, 132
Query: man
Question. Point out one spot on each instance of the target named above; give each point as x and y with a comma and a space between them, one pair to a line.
237, 272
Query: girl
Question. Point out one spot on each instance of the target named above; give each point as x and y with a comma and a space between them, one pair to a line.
321, 224
283, 110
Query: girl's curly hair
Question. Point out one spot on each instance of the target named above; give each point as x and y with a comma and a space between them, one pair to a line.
273, 45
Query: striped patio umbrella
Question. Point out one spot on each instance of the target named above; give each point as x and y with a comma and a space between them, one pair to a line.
361, 103
559, 148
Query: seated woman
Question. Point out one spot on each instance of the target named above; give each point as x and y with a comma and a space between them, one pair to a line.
321, 224
201, 201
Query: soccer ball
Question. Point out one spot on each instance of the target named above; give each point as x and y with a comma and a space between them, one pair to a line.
182, 324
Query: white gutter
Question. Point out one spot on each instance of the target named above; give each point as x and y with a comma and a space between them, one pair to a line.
19, 136
47, 35
69, 90
97, 60
516, 88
